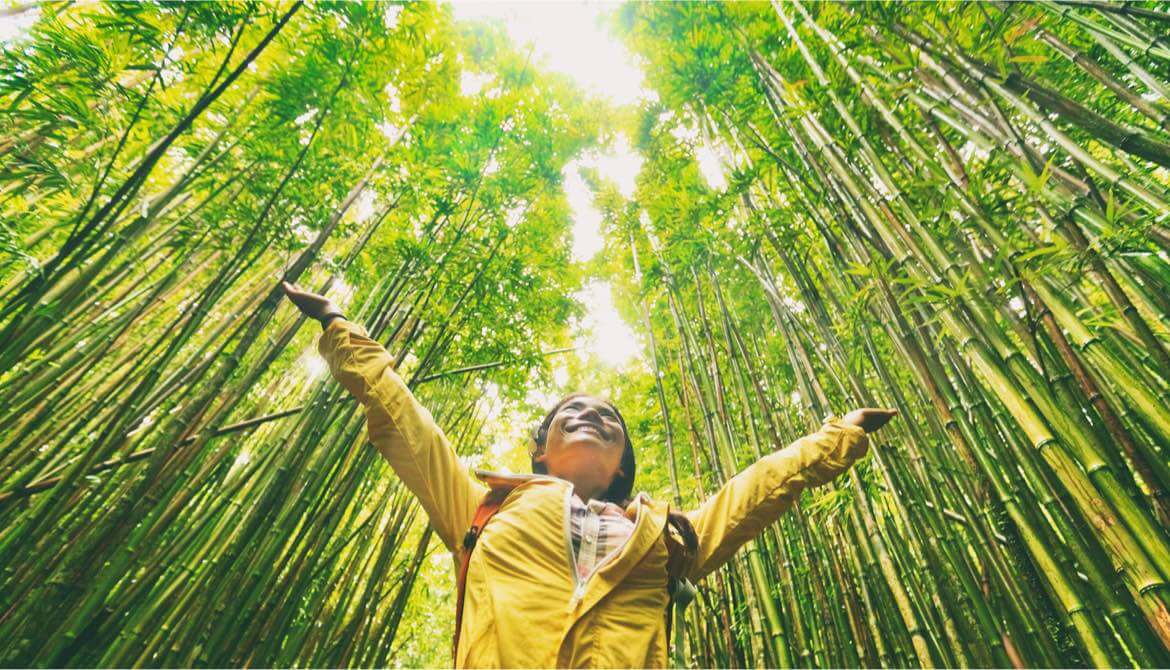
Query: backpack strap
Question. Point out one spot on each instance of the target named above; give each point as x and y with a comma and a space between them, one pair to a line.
486, 510
681, 590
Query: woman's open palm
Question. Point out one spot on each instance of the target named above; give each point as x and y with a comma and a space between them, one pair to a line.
311, 304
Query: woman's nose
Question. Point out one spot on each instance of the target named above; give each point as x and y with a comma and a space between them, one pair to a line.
590, 414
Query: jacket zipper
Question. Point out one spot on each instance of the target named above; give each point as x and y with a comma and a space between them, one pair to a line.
577, 587
578, 583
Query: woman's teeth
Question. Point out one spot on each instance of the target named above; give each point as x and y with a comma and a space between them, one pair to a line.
584, 426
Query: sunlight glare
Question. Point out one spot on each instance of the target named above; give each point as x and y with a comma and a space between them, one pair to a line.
489, 402
314, 366
587, 239
711, 167
606, 335
501, 447
341, 292
571, 38
15, 23
620, 166
473, 82
567, 37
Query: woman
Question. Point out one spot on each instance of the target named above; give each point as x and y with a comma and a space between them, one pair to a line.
569, 572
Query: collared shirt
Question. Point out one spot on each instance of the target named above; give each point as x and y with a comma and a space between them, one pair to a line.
597, 529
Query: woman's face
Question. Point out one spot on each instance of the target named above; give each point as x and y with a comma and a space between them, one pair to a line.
584, 445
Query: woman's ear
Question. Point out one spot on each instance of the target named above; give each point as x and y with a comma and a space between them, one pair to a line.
536, 446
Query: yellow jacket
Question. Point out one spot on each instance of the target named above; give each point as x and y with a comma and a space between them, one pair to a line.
524, 607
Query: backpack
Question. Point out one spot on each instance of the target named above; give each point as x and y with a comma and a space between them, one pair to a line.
680, 588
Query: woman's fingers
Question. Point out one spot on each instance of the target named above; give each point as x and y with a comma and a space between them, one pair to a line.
870, 419
302, 299
311, 304
877, 418
290, 289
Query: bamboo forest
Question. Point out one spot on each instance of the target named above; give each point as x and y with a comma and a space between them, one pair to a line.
960, 210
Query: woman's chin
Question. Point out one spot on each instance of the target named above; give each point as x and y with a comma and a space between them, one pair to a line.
583, 439
585, 469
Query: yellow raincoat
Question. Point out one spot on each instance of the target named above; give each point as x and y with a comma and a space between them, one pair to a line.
524, 604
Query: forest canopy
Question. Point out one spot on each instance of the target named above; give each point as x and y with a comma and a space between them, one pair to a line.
960, 210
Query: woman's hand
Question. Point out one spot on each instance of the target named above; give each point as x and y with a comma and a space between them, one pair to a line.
311, 305
869, 419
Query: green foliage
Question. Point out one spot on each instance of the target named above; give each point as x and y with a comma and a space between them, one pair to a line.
897, 223
146, 321
955, 209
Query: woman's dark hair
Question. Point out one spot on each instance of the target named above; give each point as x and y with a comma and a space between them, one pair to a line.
623, 485
620, 488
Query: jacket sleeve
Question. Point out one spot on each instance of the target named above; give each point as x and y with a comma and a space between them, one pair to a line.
403, 431
757, 496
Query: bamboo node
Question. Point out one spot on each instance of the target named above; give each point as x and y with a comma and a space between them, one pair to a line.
1101, 465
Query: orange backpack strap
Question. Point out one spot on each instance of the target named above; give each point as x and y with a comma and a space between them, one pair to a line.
486, 510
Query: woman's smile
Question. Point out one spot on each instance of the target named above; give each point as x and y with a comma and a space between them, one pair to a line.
587, 426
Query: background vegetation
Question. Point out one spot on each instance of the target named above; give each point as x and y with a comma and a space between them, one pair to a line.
960, 210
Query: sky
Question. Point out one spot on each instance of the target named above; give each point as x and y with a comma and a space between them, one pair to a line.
571, 38
14, 25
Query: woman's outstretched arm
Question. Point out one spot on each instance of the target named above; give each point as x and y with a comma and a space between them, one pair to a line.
401, 429
757, 496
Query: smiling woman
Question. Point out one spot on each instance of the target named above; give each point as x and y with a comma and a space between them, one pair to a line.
573, 517
584, 439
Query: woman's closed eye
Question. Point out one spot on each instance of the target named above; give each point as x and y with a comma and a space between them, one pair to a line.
604, 411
